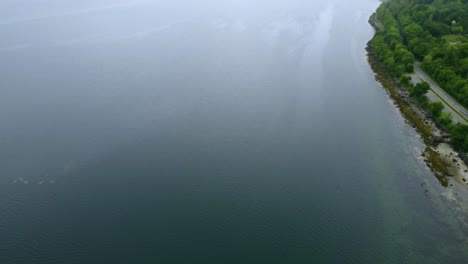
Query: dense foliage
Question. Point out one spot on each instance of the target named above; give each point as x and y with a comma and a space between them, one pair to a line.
436, 33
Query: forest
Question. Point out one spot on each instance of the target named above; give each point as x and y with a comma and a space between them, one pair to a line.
435, 33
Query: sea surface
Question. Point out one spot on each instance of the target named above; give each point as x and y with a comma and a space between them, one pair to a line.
230, 131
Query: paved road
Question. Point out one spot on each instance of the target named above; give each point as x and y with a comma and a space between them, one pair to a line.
462, 114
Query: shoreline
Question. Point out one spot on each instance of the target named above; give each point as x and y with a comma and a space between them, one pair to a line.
439, 155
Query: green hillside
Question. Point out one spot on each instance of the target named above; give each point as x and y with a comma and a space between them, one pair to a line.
434, 32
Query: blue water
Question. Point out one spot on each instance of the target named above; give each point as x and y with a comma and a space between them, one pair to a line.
208, 132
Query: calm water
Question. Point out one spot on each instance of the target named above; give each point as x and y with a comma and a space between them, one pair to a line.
215, 132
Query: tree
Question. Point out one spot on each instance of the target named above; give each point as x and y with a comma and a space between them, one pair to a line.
420, 89
419, 47
445, 119
422, 101
412, 31
405, 80
435, 108
460, 136
409, 68
451, 56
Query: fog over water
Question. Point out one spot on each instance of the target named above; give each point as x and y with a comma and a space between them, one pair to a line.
208, 132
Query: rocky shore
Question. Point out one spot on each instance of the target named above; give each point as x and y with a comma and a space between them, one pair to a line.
439, 155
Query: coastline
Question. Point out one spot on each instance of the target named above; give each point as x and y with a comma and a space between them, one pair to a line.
439, 155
